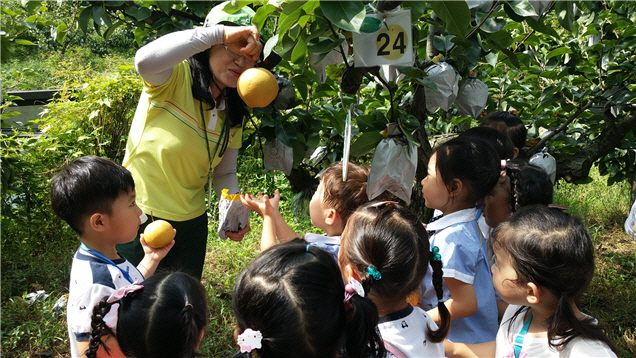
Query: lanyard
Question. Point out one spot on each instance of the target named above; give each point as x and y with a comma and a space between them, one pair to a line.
518, 341
108, 261
207, 145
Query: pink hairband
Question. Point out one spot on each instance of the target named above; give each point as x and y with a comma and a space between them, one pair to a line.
122, 292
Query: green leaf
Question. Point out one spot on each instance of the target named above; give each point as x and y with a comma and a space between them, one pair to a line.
322, 45
410, 71
426, 83
492, 58
541, 27
269, 45
492, 25
286, 133
24, 42
365, 143
566, 13
558, 51
347, 15
455, 14
100, 18
522, 8
165, 6
60, 32
139, 35
511, 56
370, 25
112, 28
261, 15
299, 53
139, 13
83, 18
290, 15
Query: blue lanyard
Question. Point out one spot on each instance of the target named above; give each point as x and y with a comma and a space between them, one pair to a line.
518, 343
108, 261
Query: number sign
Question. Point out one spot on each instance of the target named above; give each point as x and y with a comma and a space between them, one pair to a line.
391, 45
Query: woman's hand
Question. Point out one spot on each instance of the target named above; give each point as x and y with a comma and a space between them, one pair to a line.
243, 40
238, 236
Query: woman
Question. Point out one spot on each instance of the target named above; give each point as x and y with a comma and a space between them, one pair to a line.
188, 123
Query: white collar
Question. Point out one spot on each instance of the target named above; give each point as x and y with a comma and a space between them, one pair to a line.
460, 216
333, 240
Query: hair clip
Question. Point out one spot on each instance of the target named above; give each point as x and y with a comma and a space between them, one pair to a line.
383, 203
122, 292
553, 206
249, 340
374, 273
436, 255
353, 287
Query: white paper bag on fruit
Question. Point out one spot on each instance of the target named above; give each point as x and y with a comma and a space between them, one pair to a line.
547, 162
393, 166
233, 215
447, 81
472, 97
277, 156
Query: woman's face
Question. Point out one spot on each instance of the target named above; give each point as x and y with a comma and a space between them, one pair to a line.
227, 66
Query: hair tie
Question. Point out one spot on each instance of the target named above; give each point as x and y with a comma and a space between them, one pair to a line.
382, 203
307, 248
373, 272
123, 291
436, 255
353, 287
504, 162
441, 300
249, 340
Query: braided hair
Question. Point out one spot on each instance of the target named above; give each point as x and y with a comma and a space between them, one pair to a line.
390, 239
162, 320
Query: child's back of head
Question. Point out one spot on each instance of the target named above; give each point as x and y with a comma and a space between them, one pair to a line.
529, 184
473, 162
164, 318
388, 247
88, 185
553, 250
345, 196
500, 142
510, 125
292, 294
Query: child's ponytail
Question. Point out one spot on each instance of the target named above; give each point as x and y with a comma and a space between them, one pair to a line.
438, 285
361, 327
99, 327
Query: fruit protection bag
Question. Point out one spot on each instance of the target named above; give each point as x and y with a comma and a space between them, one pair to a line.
630, 223
472, 97
277, 156
393, 166
545, 161
233, 215
447, 81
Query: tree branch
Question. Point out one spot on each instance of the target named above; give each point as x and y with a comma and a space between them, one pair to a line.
492, 9
561, 128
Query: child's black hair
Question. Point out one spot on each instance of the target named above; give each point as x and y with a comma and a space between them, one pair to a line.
164, 319
391, 239
553, 250
88, 185
293, 294
473, 162
500, 142
345, 196
511, 125
529, 184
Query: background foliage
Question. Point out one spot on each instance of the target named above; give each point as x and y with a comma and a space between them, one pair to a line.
550, 69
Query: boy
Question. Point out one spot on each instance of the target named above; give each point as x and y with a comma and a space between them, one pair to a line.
331, 206
96, 197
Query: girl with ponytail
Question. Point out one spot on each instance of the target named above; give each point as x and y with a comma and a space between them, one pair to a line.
545, 259
163, 317
385, 251
291, 302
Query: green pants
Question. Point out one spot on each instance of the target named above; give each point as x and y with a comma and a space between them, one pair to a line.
188, 253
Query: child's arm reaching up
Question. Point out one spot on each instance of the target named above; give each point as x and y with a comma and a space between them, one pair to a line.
463, 301
264, 206
283, 232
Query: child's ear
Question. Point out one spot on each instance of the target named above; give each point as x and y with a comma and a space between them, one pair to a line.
237, 332
97, 222
533, 293
455, 188
196, 346
515, 152
332, 217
